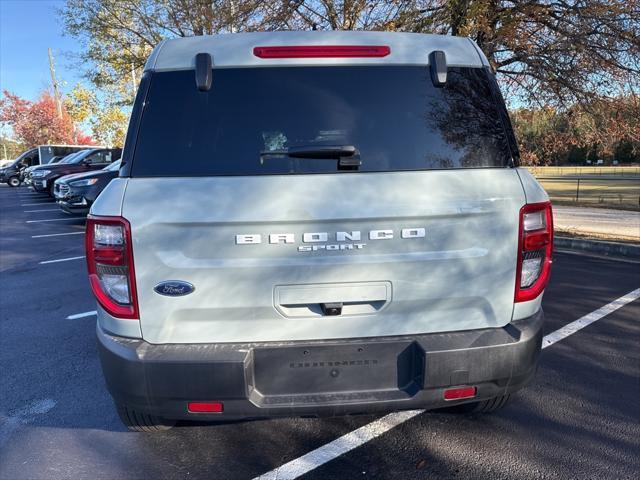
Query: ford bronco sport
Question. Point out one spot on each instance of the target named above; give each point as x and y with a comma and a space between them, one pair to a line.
317, 223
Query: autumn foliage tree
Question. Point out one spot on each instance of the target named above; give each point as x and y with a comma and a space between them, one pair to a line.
571, 56
37, 122
607, 129
550, 51
107, 120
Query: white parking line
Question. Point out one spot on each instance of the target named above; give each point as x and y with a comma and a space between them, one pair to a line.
346, 443
52, 220
45, 210
35, 204
61, 260
57, 234
82, 315
588, 319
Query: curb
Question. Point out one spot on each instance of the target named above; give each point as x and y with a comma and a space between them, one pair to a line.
613, 249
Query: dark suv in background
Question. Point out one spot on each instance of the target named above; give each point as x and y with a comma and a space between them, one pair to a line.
76, 193
42, 179
13, 174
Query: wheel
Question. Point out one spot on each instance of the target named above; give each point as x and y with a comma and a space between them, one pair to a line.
483, 406
137, 421
14, 182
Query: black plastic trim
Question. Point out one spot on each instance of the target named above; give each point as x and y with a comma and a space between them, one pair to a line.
134, 125
257, 380
504, 117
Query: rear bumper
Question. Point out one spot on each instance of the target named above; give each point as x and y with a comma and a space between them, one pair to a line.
319, 378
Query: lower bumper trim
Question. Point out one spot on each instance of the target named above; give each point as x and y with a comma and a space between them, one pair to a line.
320, 378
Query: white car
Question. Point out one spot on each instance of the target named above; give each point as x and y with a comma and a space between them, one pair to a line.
317, 223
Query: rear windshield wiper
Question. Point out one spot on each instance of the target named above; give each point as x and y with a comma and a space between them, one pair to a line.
348, 156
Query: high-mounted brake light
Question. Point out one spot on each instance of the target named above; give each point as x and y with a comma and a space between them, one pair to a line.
535, 248
110, 264
322, 51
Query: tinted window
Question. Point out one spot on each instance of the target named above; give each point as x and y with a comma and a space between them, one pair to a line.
393, 115
80, 156
70, 158
26, 157
99, 157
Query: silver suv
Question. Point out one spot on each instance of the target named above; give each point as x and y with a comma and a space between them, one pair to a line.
317, 223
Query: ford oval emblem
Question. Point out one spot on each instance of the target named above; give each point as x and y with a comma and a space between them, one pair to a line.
174, 288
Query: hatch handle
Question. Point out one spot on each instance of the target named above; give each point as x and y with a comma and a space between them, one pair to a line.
331, 309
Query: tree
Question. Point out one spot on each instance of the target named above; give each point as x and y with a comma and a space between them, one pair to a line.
563, 62
38, 123
118, 35
109, 126
106, 118
80, 103
558, 51
9, 148
608, 128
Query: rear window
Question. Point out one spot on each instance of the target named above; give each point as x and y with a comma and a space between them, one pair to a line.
251, 117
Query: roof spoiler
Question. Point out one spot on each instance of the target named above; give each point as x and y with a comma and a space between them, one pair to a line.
438, 67
204, 72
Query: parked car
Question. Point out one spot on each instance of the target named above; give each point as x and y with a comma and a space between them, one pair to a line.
40, 155
10, 174
42, 179
25, 174
76, 193
346, 231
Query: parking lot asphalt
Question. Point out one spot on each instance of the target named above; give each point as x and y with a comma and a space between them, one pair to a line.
580, 419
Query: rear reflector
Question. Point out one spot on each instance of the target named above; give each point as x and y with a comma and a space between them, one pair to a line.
460, 393
205, 407
323, 51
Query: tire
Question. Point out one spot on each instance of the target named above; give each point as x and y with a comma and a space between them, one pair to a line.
485, 406
137, 421
14, 181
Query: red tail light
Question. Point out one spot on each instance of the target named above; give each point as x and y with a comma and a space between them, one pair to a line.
322, 51
110, 263
535, 248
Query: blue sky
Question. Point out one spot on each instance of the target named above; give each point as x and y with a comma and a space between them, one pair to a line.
27, 29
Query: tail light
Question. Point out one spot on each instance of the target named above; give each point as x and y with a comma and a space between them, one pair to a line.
110, 263
535, 247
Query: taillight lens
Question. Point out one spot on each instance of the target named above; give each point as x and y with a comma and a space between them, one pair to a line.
110, 263
535, 248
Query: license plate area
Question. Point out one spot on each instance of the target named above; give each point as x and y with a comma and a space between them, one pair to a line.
334, 373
